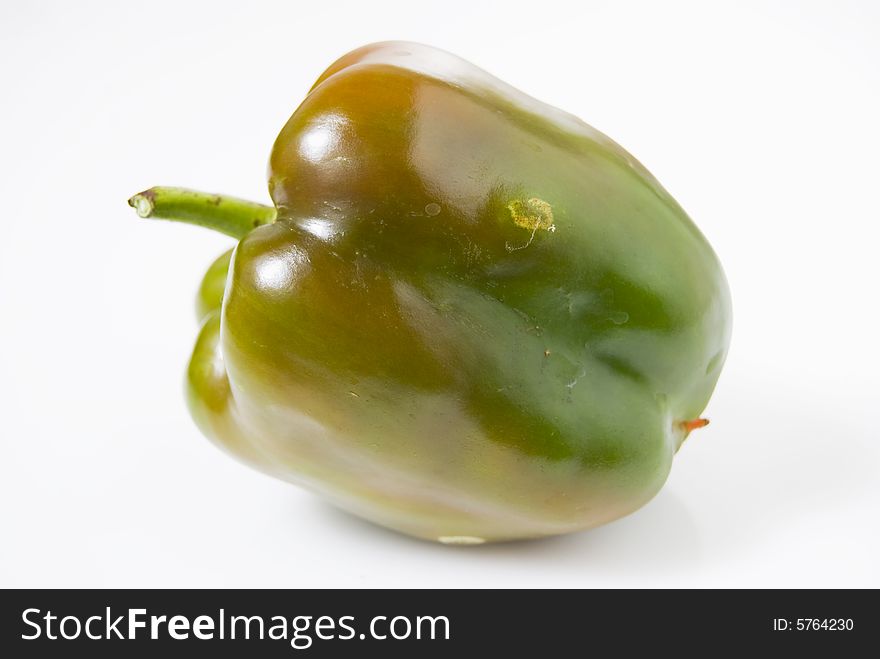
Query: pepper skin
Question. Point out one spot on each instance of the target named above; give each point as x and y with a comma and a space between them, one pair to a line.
474, 317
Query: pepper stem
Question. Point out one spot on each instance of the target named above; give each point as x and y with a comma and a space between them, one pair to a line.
234, 217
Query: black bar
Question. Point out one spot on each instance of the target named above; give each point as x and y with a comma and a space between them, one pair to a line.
544, 622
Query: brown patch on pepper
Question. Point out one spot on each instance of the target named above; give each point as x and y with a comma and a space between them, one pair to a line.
694, 424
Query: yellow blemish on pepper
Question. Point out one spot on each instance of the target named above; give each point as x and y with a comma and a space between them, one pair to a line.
532, 214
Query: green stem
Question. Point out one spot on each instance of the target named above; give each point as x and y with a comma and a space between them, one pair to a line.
234, 217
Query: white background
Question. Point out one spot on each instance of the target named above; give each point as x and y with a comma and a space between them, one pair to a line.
760, 118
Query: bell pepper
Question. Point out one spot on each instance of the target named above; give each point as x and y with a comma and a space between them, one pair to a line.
467, 316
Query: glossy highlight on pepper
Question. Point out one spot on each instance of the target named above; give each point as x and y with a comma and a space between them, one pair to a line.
468, 316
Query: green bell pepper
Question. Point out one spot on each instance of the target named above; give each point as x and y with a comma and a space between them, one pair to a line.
468, 317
